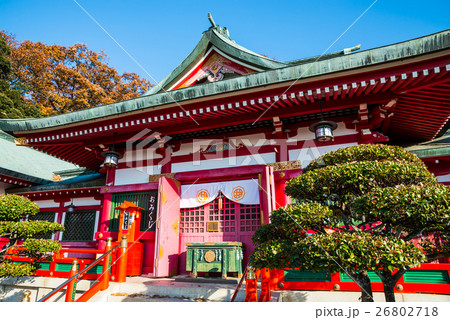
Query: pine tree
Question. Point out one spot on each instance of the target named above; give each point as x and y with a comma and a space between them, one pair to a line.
357, 210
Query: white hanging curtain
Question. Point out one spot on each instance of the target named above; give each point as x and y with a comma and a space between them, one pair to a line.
240, 191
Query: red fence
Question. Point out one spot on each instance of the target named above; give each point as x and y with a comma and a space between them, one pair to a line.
428, 278
61, 264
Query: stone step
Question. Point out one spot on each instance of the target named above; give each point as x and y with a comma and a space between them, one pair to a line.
12, 289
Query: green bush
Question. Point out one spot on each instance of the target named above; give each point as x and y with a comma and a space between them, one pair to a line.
414, 208
363, 152
14, 207
358, 208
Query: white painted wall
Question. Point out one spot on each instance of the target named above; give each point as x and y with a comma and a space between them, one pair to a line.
224, 162
139, 155
79, 202
443, 178
304, 133
88, 201
47, 204
311, 151
197, 145
135, 175
215, 160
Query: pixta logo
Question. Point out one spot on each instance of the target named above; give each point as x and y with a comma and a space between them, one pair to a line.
146, 151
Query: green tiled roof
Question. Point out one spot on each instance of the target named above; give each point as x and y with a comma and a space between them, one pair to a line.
27, 163
291, 72
435, 148
77, 182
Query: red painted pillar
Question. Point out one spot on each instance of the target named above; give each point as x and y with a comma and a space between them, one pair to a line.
72, 285
122, 260
280, 184
106, 270
166, 162
265, 286
275, 278
251, 285
60, 213
106, 206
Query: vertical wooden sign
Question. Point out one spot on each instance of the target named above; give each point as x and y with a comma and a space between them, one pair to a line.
152, 209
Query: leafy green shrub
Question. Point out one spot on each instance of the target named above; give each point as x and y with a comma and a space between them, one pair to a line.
359, 208
413, 208
28, 229
14, 207
339, 252
363, 152
349, 180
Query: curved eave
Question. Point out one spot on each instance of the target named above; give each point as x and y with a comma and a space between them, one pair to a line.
22, 176
213, 38
95, 181
373, 57
236, 51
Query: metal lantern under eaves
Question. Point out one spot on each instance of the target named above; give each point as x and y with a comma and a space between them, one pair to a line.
111, 158
71, 207
323, 130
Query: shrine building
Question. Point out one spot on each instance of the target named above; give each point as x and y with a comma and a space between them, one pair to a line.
206, 152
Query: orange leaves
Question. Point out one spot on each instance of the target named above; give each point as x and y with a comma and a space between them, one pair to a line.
63, 79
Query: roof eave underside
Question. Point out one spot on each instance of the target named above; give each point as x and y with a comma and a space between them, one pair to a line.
408, 49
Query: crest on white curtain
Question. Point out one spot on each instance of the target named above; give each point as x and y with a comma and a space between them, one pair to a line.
240, 191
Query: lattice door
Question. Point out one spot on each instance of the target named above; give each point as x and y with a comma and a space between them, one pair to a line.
79, 225
235, 222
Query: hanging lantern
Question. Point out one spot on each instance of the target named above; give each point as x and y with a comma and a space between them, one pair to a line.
111, 158
323, 130
71, 207
220, 202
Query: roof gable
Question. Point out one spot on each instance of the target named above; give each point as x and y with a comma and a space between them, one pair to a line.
215, 49
215, 66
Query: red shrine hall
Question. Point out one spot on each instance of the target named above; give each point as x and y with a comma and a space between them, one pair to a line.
204, 155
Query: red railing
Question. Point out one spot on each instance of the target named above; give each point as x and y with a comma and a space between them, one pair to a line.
112, 262
275, 280
238, 287
102, 283
59, 266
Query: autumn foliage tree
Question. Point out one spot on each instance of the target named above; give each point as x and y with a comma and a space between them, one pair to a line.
359, 209
63, 79
12, 103
26, 236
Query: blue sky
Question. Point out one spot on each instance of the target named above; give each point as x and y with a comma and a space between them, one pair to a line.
160, 34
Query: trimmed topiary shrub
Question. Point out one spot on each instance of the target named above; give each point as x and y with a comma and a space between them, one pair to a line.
359, 209
13, 209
